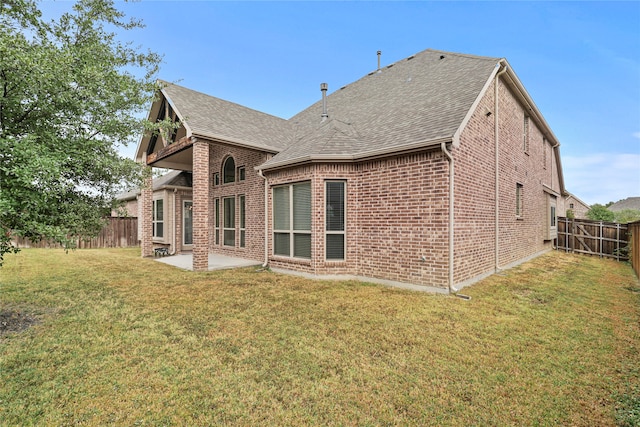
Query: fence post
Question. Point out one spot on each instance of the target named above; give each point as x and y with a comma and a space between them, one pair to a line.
600, 250
618, 242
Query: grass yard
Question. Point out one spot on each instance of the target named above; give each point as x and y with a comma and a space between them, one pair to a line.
125, 341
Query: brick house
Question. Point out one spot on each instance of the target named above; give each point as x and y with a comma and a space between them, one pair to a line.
429, 173
576, 206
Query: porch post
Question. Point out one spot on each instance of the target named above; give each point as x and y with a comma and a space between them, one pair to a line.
201, 203
146, 217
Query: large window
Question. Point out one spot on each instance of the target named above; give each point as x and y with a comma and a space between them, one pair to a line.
229, 171
241, 201
292, 220
335, 220
158, 218
229, 220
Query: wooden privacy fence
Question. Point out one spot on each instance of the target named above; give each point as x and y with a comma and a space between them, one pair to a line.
634, 238
118, 233
605, 239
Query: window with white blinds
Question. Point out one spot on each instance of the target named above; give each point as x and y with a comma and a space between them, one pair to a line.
292, 220
335, 235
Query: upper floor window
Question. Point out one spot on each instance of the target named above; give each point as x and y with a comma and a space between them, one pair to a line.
229, 171
241, 173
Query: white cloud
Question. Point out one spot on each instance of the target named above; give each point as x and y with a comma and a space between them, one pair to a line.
602, 177
636, 135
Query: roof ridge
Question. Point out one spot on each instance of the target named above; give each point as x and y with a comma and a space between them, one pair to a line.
463, 55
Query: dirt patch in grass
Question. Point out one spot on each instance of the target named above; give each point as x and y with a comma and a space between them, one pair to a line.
15, 320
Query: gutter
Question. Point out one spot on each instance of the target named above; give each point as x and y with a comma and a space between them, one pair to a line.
443, 147
367, 155
496, 134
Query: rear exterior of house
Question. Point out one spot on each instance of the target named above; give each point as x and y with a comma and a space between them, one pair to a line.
391, 179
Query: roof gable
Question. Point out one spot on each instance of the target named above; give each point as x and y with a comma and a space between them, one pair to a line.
219, 120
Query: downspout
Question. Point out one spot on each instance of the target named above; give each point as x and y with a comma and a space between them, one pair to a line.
496, 134
443, 146
266, 220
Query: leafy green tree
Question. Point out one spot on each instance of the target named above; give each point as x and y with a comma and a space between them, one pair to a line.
70, 92
600, 213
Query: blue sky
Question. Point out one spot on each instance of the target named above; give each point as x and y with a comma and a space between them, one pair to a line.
580, 61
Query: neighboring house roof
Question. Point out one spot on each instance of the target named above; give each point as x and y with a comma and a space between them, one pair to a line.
170, 179
628, 203
217, 119
416, 100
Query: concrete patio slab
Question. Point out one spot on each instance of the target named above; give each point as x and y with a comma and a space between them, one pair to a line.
216, 262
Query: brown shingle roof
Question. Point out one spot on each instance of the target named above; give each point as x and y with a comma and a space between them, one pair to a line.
419, 99
215, 118
411, 103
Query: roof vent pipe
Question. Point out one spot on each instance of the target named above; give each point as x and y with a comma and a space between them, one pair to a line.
323, 88
379, 54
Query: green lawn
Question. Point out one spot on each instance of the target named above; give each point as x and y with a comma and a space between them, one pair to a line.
127, 341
